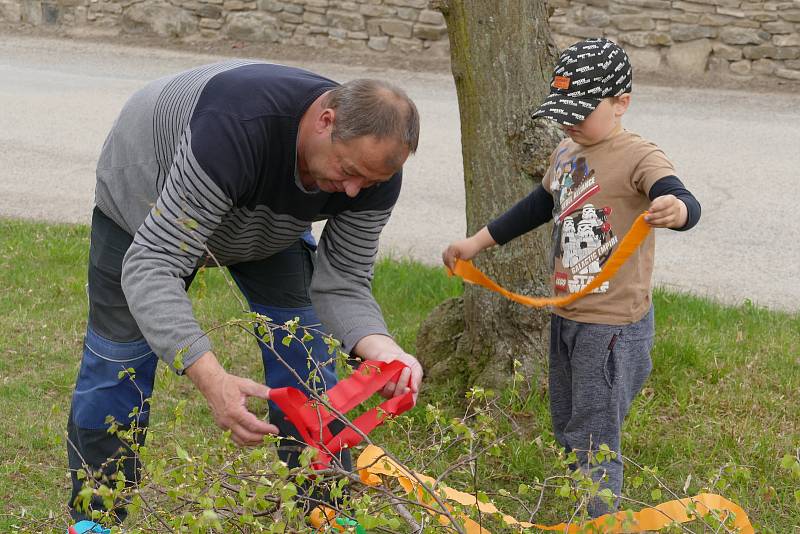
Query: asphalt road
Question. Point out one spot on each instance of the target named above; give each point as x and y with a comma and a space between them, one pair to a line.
739, 152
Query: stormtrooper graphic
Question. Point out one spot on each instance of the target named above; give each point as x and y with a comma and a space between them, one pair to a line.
588, 240
582, 233
569, 244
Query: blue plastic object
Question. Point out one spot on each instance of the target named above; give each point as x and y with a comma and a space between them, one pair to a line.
87, 527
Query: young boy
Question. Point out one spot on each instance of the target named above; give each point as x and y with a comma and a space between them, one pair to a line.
601, 177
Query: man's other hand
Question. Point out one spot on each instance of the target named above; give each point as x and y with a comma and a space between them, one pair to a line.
382, 348
227, 397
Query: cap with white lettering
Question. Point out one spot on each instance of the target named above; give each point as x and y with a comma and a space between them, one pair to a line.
587, 72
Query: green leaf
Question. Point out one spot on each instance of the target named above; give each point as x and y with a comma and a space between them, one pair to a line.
210, 517
287, 340
655, 494
787, 461
367, 521
288, 492
180, 408
178, 361
182, 454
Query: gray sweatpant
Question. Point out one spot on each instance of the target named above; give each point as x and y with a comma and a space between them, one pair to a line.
595, 372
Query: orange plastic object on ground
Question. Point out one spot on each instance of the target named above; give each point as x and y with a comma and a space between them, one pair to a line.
373, 463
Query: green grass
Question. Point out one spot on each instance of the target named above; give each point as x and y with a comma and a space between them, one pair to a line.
724, 390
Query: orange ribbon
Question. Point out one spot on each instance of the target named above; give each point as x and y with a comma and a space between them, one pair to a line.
635, 237
372, 463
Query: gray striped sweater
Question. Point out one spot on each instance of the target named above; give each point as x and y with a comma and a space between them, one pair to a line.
204, 163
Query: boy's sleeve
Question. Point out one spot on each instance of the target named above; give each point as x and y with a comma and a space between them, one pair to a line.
671, 185
653, 165
530, 212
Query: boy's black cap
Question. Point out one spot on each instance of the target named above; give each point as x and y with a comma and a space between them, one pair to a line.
587, 72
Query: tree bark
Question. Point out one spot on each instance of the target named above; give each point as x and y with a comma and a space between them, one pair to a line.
502, 57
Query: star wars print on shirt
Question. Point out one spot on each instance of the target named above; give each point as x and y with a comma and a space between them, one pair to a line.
583, 237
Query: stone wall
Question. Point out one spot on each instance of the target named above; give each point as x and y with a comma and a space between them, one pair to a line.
742, 39
738, 39
400, 26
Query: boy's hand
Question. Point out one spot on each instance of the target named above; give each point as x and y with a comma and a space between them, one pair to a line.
468, 248
667, 211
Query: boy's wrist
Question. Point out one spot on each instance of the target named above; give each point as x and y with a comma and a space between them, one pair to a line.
483, 240
683, 214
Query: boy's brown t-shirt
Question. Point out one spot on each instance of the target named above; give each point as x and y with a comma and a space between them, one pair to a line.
598, 191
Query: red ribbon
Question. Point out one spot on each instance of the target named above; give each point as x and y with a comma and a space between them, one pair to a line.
311, 418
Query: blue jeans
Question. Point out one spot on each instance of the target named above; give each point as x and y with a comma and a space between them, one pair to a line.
595, 371
276, 287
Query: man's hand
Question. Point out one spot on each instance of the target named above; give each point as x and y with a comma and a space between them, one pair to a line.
227, 396
381, 348
667, 211
468, 248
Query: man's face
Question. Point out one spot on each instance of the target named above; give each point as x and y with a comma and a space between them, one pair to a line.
347, 166
350, 166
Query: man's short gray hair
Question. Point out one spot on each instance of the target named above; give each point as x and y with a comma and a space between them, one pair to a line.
366, 107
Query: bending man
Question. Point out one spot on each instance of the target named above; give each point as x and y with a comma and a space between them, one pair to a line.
231, 163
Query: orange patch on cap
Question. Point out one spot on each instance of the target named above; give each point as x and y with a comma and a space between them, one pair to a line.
561, 82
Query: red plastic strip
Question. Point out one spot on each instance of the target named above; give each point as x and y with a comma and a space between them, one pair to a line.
311, 418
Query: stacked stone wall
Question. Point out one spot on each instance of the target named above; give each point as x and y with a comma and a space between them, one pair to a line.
399, 26
739, 39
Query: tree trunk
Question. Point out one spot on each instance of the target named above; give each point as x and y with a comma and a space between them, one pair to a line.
502, 57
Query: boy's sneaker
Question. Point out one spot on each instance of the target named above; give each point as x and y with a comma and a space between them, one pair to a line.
87, 527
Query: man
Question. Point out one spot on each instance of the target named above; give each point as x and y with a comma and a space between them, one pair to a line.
230, 164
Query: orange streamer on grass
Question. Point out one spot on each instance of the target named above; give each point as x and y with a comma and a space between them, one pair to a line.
374, 464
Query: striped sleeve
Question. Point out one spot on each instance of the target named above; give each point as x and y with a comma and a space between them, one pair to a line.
341, 288
166, 248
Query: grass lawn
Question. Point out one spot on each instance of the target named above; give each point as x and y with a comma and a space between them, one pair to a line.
720, 411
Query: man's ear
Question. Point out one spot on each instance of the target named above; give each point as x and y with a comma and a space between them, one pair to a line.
325, 120
621, 104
